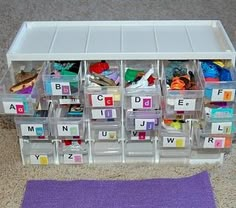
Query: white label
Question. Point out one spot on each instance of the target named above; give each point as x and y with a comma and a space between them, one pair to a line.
32, 130
221, 128
39, 159
60, 88
214, 142
141, 102
102, 100
145, 124
73, 158
223, 95
69, 101
107, 135
103, 113
14, 107
67, 130
185, 104
176, 142
139, 135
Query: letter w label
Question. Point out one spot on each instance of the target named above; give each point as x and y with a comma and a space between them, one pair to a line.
176, 142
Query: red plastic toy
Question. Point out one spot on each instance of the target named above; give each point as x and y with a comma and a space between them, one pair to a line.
98, 67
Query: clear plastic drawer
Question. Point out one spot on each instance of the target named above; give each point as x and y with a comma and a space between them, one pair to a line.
107, 151
174, 155
62, 78
103, 84
219, 79
182, 88
37, 152
143, 120
140, 76
110, 131
73, 152
174, 134
212, 141
18, 91
136, 151
68, 123
104, 114
219, 125
171, 140
34, 127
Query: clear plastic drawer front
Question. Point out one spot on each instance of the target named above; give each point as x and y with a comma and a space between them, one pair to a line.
32, 127
104, 114
73, 152
110, 131
107, 151
182, 88
38, 153
219, 80
62, 81
103, 84
143, 120
136, 151
212, 141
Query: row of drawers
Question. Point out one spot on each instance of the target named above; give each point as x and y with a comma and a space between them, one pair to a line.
133, 121
159, 95
57, 152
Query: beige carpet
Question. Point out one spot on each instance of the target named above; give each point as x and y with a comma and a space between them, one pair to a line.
14, 12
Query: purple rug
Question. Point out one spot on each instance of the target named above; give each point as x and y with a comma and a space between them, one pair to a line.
189, 192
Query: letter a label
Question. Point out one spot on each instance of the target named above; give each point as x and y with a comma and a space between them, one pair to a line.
13, 107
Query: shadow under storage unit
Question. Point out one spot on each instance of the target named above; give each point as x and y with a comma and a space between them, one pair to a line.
121, 91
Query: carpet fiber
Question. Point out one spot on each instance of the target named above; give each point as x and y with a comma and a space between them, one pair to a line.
189, 192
